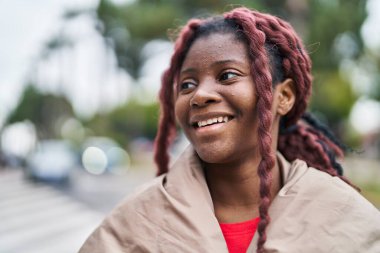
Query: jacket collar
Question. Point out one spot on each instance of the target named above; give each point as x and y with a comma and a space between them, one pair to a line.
188, 171
186, 182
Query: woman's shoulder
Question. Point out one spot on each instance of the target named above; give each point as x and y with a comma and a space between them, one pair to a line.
331, 189
307, 182
314, 204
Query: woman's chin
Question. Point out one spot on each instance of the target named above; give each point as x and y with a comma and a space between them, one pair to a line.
213, 156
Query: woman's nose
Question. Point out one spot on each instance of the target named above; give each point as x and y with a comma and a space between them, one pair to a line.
204, 95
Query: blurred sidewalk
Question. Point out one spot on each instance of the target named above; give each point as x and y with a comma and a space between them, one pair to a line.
103, 192
40, 218
362, 170
364, 173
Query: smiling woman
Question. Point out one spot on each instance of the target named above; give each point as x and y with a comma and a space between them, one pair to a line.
238, 85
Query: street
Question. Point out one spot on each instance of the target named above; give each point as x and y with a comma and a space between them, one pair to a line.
40, 218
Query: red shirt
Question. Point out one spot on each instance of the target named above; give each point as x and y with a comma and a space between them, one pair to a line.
238, 236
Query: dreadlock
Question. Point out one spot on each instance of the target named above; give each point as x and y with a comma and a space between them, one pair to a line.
166, 128
276, 53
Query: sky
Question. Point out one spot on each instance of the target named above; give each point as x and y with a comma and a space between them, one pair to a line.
91, 79
26, 26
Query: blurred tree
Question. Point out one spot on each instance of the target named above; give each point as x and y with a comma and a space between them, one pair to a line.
126, 122
56, 46
335, 38
329, 20
333, 96
129, 27
47, 112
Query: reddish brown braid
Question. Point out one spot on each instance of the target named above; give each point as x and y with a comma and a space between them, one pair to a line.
308, 144
166, 128
262, 78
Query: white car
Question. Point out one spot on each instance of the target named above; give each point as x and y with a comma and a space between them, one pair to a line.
51, 161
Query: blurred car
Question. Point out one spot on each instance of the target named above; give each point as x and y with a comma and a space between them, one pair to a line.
102, 154
11, 160
52, 160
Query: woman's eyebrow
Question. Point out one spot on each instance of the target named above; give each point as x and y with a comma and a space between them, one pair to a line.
188, 71
229, 61
216, 63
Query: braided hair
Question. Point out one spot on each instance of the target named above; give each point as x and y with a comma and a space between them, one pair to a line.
276, 53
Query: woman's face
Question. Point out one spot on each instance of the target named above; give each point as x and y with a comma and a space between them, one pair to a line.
215, 99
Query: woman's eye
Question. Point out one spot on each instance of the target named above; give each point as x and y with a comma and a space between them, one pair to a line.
227, 75
186, 85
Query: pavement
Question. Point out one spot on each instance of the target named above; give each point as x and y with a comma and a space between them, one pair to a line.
102, 193
42, 218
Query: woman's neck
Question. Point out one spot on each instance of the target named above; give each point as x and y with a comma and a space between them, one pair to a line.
234, 188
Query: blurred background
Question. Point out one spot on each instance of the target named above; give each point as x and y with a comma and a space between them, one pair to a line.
78, 102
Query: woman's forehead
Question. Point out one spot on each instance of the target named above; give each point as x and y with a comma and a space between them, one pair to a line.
216, 48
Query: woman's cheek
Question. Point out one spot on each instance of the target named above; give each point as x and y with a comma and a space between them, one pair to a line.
181, 111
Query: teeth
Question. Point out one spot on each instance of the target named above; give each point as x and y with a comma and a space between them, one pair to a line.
212, 121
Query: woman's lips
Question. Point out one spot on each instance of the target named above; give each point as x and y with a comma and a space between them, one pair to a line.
211, 127
211, 121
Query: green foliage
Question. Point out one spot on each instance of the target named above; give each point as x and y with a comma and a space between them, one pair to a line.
128, 28
329, 19
127, 122
45, 111
149, 21
332, 96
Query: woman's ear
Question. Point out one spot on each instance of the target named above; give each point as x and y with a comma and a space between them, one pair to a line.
285, 95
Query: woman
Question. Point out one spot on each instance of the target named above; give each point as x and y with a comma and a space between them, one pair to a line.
238, 85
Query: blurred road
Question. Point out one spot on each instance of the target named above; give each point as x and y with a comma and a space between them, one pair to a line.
41, 218
103, 192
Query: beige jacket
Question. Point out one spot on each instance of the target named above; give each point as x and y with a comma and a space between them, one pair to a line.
313, 212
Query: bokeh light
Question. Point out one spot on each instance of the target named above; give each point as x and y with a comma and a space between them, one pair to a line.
94, 160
